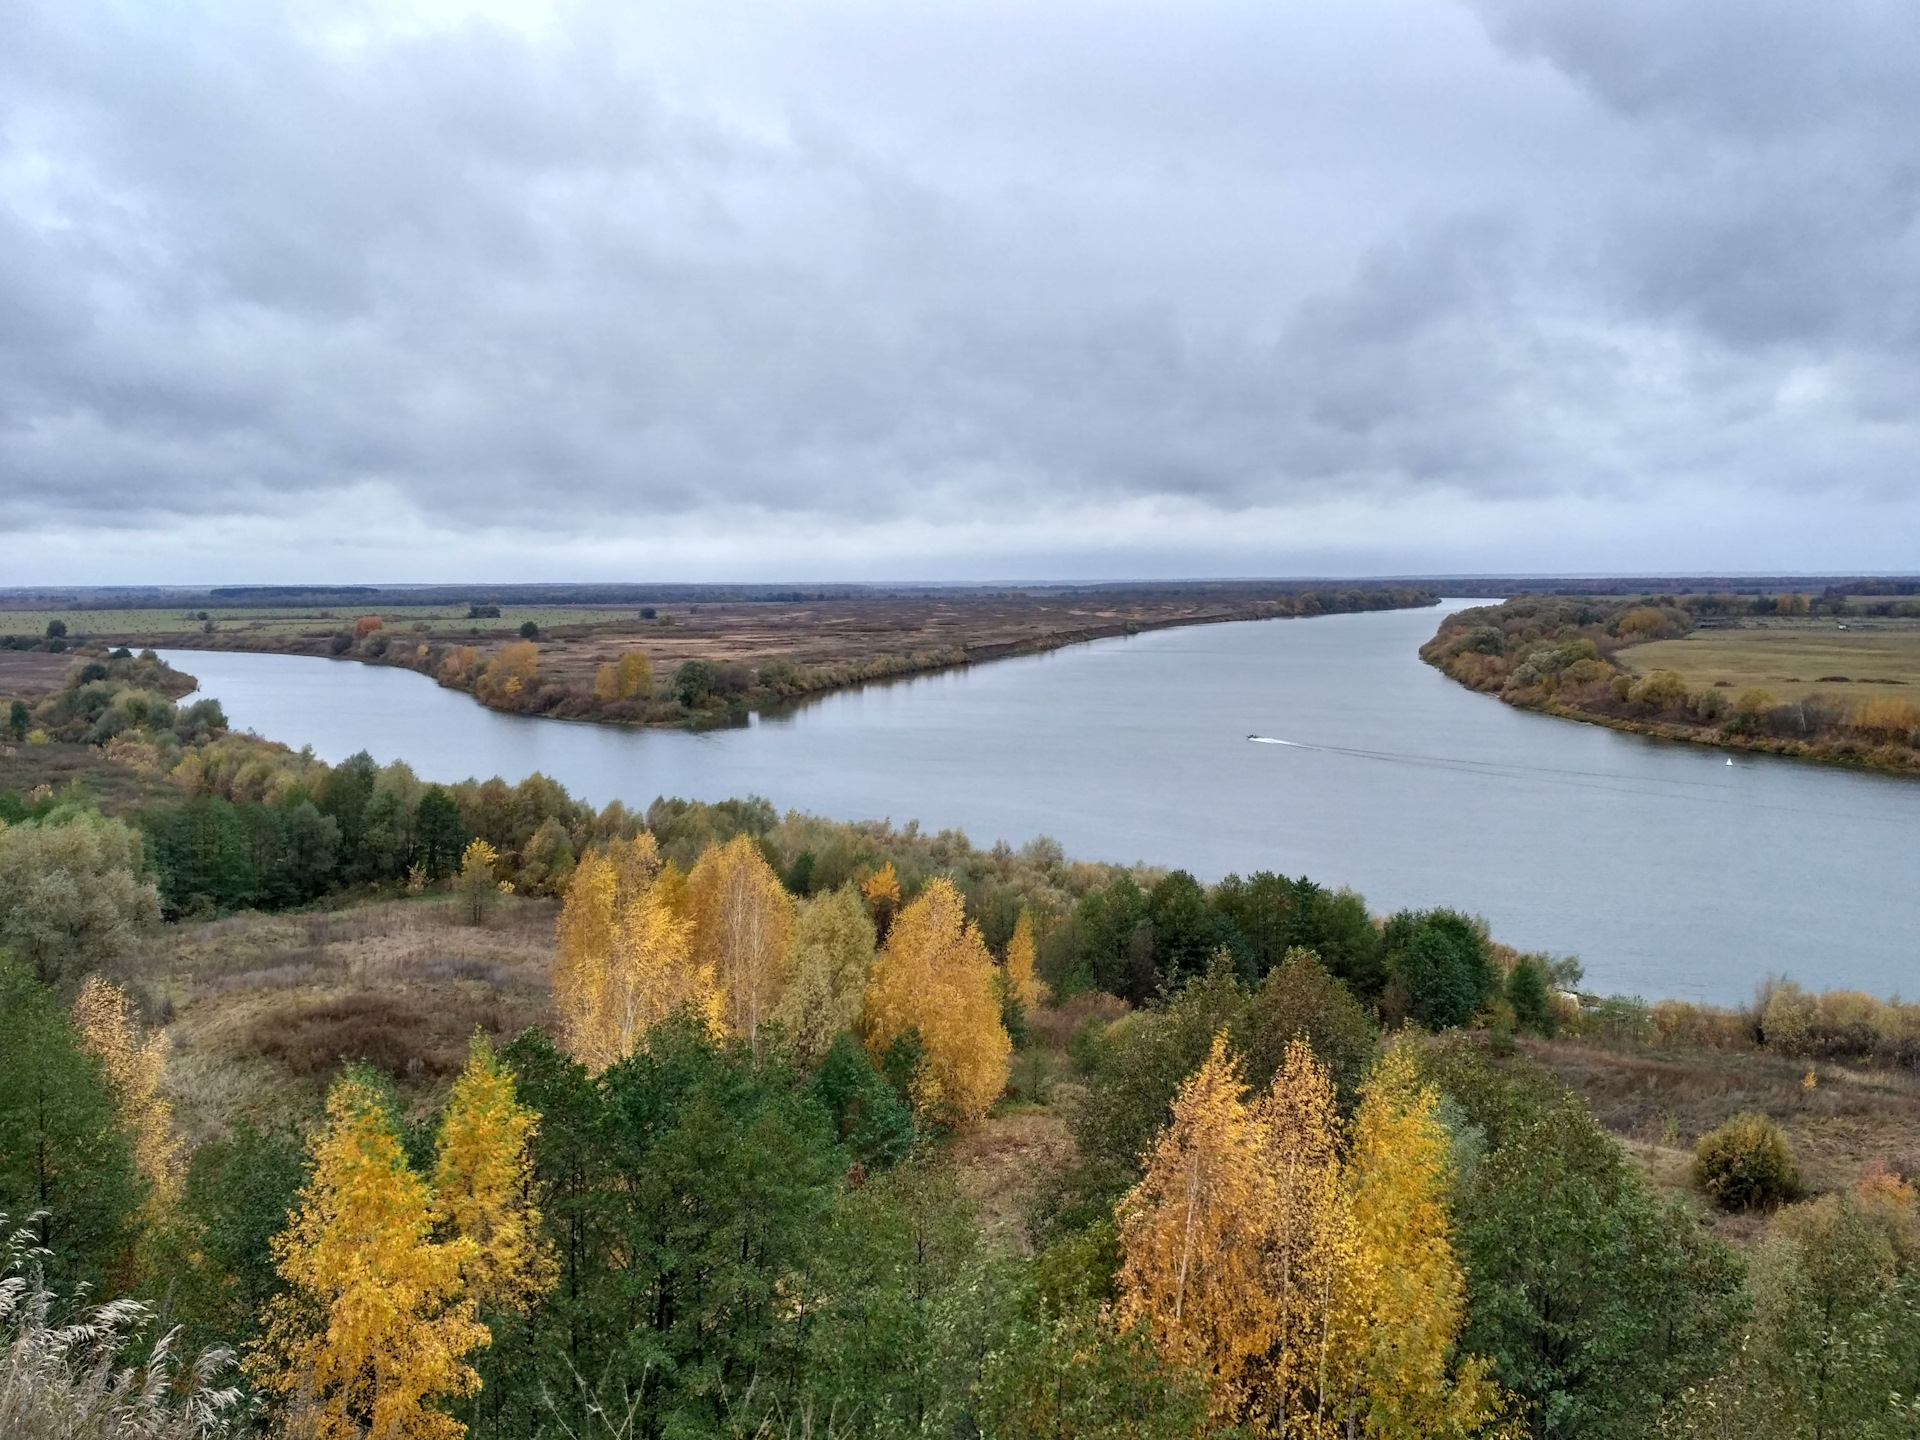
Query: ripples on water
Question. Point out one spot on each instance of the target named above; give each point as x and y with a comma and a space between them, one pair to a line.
1667, 870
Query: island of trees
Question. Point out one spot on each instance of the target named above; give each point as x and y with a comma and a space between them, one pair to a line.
334, 1103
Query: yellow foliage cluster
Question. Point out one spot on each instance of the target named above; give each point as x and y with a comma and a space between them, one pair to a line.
457, 666
377, 1323
628, 678
935, 978
511, 672
639, 940
1025, 986
828, 967
625, 958
882, 892
742, 928
1318, 1292
366, 625
483, 1172
134, 1063
1884, 719
387, 1274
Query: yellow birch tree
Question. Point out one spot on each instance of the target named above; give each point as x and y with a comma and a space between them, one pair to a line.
633, 676
1025, 985
742, 928
134, 1064
1193, 1233
377, 1323
1414, 1293
628, 678
882, 892
482, 1179
935, 977
831, 959
1312, 1260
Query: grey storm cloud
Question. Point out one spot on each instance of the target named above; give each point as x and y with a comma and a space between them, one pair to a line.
991, 288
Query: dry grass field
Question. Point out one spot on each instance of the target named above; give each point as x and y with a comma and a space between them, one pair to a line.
1658, 1100
1793, 659
115, 789
262, 1010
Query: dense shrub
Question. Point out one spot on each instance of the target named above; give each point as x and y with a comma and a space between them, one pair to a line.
1746, 1164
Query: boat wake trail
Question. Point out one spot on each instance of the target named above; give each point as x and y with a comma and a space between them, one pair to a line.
1667, 787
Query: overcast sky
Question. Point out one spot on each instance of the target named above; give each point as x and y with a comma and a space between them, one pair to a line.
971, 289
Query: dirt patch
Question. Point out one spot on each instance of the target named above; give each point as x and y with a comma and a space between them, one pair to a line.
1000, 1164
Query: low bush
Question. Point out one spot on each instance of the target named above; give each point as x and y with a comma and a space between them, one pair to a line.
1746, 1165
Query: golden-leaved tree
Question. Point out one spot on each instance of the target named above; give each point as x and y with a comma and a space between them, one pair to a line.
512, 672
1312, 1252
1194, 1232
882, 892
628, 678
625, 960
935, 978
1413, 1294
742, 928
1319, 1296
831, 958
134, 1063
1026, 987
377, 1321
483, 1181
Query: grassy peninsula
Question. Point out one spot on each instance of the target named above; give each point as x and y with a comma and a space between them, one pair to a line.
1832, 677
635, 655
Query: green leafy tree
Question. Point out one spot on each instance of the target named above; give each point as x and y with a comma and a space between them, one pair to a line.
1186, 932
240, 1189
439, 833
1117, 940
1134, 1071
1264, 911
1444, 961
1073, 1376
71, 892
65, 1159
868, 1114
204, 854
684, 1189
1335, 925
1300, 1000
693, 683
1834, 1347
1596, 1303
1529, 992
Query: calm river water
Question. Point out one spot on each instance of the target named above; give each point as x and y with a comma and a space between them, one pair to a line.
1668, 871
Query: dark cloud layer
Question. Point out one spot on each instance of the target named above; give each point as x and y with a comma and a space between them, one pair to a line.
978, 289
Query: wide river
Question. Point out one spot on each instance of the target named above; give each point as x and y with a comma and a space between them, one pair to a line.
1668, 871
